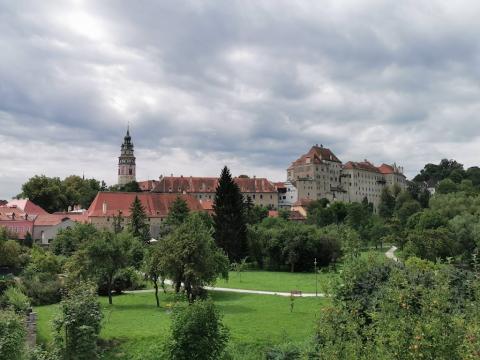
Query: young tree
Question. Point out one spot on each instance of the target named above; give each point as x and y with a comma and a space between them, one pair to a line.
197, 332
101, 258
79, 323
153, 268
229, 218
138, 221
189, 255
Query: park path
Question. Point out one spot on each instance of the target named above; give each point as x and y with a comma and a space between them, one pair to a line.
242, 291
391, 253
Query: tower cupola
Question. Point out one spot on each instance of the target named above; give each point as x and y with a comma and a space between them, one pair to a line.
126, 161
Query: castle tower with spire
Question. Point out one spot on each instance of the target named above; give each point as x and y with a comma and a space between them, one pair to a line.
126, 161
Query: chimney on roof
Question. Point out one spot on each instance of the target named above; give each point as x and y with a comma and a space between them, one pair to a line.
104, 208
171, 175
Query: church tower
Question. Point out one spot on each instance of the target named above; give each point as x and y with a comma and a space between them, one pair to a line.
126, 161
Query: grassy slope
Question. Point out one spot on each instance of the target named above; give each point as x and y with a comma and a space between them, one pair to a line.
255, 321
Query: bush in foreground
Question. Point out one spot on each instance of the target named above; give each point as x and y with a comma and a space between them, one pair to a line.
197, 332
12, 336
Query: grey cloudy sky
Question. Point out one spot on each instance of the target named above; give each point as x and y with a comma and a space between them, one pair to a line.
250, 84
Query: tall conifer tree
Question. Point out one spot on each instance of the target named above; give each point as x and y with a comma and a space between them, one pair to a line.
138, 220
229, 218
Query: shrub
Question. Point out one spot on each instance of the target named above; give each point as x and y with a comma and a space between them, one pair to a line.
78, 326
40, 279
12, 336
43, 289
197, 332
16, 299
10, 252
6, 281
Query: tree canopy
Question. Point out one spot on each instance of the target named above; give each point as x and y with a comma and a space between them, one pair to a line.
53, 194
189, 255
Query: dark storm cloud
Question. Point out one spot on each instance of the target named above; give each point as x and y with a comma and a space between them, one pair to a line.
251, 84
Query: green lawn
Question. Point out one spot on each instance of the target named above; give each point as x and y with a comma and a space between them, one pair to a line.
276, 281
136, 327
286, 281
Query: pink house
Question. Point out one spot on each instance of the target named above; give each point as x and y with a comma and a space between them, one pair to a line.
17, 222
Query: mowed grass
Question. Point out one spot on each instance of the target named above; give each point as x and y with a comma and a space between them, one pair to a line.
137, 329
287, 281
277, 281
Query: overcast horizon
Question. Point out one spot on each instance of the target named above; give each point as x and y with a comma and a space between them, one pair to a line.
247, 84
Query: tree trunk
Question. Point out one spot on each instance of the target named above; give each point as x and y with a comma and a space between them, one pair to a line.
292, 267
162, 284
110, 290
155, 283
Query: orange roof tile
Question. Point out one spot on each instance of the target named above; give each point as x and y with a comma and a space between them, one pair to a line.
50, 219
191, 184
27, 206
147, 185
302, 202
155, 205
316, 155
363, 165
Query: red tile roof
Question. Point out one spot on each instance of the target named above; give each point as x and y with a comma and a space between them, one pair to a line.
50, 219
8, 213
27, 206
280, 185
190, 184
147, 185
363, 165
316, 155
155, 205
302, 202
389, 169
296, 216
273, 213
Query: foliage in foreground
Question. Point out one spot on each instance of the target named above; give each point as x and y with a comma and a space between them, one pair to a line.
197, 332
12, 336
78, 326
386, 310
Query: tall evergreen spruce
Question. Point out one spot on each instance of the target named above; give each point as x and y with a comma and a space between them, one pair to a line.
138, 220
229, 218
